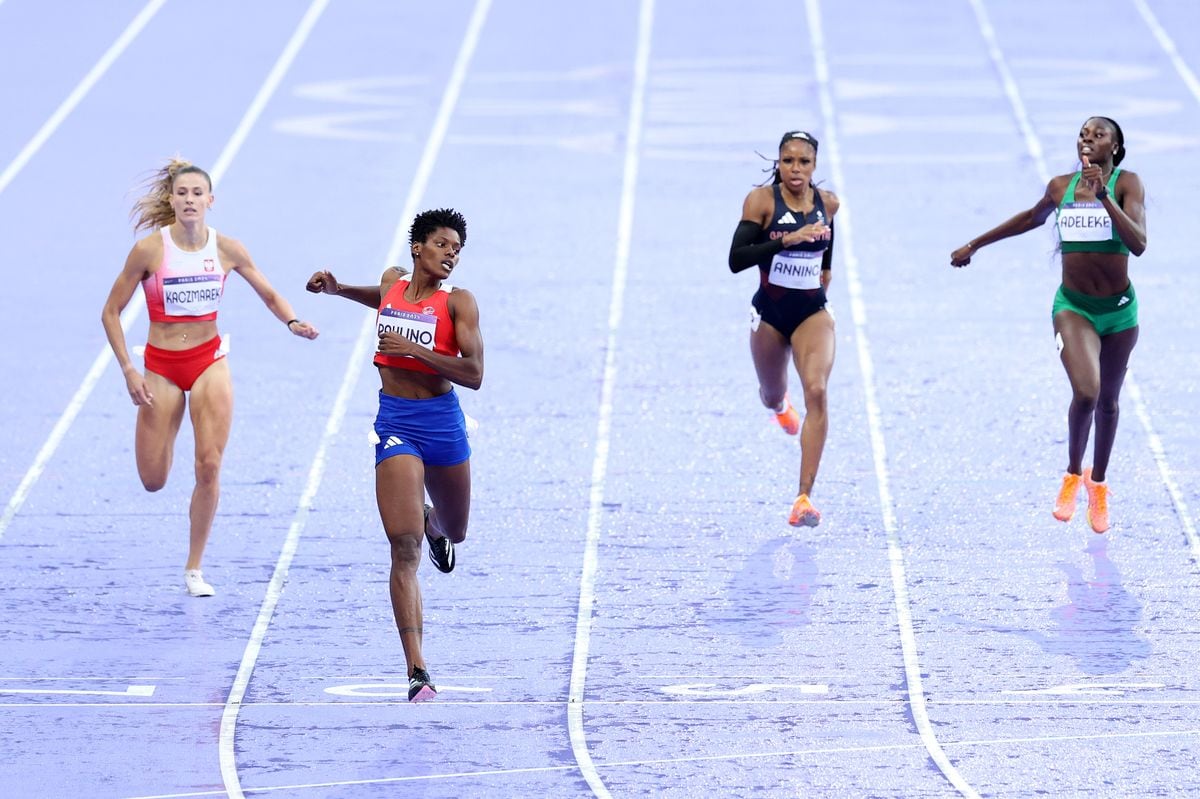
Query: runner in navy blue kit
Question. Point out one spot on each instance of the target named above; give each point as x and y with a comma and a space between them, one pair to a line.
429, 339
181, 267
1101, 218
787, 232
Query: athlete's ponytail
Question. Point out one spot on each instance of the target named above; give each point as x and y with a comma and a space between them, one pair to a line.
153, 209
1119, 150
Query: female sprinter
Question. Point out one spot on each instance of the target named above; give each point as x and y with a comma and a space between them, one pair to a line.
787, 232
182, 267
428, 339
1101, 220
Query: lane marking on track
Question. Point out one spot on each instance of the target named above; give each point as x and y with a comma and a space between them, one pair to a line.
395, 689
359, 356
138, 301
1168, 46
79, 92
587, 578
711, 689
908, 640
1035, 150
1101, 688
59, 431
1024, 701
784, 755
130, 690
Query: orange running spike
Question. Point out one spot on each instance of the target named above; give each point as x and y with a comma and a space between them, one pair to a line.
1064, 505
803, 513
1097, 494
789, 418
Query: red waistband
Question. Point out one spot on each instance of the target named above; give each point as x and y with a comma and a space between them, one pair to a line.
212, 345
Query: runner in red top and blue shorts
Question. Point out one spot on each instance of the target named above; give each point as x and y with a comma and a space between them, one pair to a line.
428, 340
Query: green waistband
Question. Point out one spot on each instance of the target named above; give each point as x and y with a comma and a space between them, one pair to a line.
1109, 246
1100, 305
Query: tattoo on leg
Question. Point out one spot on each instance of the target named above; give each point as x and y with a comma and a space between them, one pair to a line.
417, 630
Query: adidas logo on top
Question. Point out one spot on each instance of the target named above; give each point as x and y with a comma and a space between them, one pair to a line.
786, 219
392, 442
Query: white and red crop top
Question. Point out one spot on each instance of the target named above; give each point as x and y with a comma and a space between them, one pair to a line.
188, 286
426, 323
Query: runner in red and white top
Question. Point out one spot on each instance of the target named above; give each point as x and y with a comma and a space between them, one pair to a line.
182, 266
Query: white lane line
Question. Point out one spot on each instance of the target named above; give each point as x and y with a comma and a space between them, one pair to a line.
130, 690
1164, 470
587, 578
359, 356
80, 91
137, 302
1156, 445
1168, 46
1035, 150
130, 313
1101, 700
908, 640
667, 761
78, 679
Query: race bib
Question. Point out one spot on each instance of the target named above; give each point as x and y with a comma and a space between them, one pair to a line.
419, 328
1086, 221
796, 269
192, 295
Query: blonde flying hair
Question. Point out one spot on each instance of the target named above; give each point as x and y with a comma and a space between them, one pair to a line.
153, 210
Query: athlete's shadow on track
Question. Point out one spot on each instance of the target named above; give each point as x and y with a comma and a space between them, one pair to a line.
771, 593
1098, 625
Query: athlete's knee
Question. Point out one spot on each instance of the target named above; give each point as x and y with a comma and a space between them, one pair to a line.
153, 482
771, 398
406, 549
1107, 405
816, 397
457, 532
447, 521
1085, 398
208, 468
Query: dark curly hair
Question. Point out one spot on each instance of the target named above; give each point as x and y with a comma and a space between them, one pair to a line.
426, 222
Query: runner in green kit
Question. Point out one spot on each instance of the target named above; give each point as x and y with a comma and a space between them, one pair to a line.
1101, 219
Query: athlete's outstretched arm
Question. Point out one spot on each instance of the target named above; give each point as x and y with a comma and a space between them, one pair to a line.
324, 282
1014, 226
232, 252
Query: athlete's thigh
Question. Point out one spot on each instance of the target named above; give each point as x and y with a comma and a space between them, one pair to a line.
157, 425
400, 494
814, 343
1080, 349
1115, 350
212, 408
769, 349
449, 489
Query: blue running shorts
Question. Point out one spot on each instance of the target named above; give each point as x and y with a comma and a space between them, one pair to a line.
433, 429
